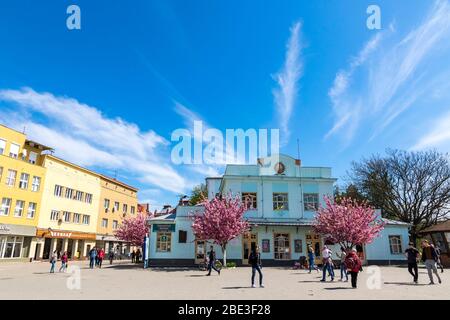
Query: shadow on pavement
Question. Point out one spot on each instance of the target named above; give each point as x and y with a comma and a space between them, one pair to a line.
406, 284
338, 288
236, 288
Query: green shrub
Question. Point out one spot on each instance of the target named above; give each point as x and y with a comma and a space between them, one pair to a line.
231, 264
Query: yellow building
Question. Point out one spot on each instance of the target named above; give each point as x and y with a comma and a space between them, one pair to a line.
22, 176
117, 201
69, 210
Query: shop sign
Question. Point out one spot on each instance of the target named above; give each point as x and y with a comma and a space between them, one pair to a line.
163, 228
4, 228
60, 234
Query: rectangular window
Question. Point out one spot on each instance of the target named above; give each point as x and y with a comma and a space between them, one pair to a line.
18, 211
58, 190
133, 209
14, 150
282, 246
88, 198
265, 245
54, 215
106, 204
66, 216
79, 195
76, 218
23, 183
11, 178
182, 236
280, 201
249, 199
105, 223
32, 158
311, 201
116, 206
395, 243
69, 193
115, 224
298, 246
125, 208
163, 241
86, 219
36, 184
2, 147
6, 206
1, 173
12, 247
31, 210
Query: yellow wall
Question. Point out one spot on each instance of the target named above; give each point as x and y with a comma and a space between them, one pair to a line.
60, 172
115, 191
21, 165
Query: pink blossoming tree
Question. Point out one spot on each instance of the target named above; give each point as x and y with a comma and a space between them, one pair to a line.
221, 221
133, 229
348, 223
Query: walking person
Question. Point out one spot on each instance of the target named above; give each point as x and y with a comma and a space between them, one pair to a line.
138, 255
342, 255
327, 264
255, 261
412, 256
111, 257
438, 252
53, 259
100, 255
311, 258
430, 257
64, 259
92, 257
133, 256
212, 260
354, 266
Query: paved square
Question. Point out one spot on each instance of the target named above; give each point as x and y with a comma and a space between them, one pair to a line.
127, 281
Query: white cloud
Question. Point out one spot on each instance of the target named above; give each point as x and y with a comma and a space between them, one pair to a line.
386, 79
438, 136
82, 134
287, 80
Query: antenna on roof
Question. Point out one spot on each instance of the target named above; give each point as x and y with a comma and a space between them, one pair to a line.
298, 149
24, 127
115, 174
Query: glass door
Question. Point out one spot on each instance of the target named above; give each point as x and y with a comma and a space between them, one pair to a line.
249, 243
200, 251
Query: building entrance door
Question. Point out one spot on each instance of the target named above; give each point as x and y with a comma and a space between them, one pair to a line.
314, 240
249, 243
200, 251
37, 251
47, 248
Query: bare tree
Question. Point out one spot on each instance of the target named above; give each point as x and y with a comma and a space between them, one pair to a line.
412, 187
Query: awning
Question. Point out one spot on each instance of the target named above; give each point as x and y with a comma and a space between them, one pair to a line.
17, 230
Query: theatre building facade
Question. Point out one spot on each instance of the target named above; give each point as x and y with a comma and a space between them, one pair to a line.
282, 198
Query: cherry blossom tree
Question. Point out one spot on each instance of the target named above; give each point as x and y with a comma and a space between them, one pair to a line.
133, 229
348, 223
221, 221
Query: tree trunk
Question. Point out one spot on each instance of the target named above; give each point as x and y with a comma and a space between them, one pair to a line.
224, 252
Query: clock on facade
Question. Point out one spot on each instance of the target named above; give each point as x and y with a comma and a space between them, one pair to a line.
279, 168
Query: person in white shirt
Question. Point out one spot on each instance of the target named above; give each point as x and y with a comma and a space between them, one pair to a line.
327, 264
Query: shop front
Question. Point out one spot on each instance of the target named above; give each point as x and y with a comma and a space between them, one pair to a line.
76, 244
15, 241
110, 243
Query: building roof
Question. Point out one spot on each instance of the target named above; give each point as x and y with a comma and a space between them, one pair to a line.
165, 218
280, 222
440, 227
37, 145
395, 222
113, 180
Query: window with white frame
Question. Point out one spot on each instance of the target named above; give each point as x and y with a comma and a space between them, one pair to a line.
69, 193
23, 183
1, 173
115, 224
14, 150
106, 204
6, 207
36, 184
76, 218
116, 206
86, 219
280, 201
11, 247
395, 243
31, 210
311, 201
54, 215
249, 199
32, 157
125, 208
2, 146
66, 216
18, 210
79, 195
282, 246
132, 209
11, 178
58, 190
104, 223
163, 241
88, 198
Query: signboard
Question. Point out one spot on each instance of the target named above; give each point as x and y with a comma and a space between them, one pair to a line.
265, 245
4, 228
163, 228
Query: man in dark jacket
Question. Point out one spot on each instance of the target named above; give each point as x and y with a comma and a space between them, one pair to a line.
212, 260
255, 261
412, 255
430, 257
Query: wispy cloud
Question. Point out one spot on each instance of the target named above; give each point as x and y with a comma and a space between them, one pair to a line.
82, 134
285, 94
387, 78
438, 136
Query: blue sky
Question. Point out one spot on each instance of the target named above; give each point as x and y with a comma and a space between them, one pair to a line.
109, 96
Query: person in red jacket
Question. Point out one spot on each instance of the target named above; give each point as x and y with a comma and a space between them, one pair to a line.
101, 255
64, 259
354, 266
